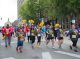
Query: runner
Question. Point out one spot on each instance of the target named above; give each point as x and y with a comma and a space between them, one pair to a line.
21, 38
73, 36
8, 36
27, 31
43, 32
32, 38
60, 36
38, 37
56, 27
50, 36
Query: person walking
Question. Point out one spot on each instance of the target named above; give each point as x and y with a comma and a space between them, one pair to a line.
32, 37
20, 41
8, 36
38, 37
74, 37
50, 36
60, 36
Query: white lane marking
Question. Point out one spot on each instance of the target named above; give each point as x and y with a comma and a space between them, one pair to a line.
46, 55
69, 54
9, 58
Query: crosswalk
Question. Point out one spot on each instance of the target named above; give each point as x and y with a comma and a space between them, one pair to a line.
48, 55
9, 58
68, 54
42, 52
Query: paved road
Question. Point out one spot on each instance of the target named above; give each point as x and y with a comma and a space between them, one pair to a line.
45, 52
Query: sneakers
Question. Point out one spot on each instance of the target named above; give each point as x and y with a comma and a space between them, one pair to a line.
75, 51
71, 47
6, 46
60, 46
32, 47
38, 46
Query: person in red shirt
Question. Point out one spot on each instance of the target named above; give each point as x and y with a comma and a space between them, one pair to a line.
27, 31
12, 30
8, 36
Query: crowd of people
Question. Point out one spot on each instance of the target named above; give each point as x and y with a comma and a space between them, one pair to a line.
48, 32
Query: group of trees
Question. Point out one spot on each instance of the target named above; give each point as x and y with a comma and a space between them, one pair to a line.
35, 9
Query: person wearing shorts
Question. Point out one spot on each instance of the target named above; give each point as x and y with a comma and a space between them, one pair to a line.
21, 38
32, 38
60, 37
50, 36
38, 37
73, 32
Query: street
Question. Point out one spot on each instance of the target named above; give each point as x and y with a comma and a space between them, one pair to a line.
45, 52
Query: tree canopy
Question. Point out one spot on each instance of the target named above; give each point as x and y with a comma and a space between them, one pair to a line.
35, 9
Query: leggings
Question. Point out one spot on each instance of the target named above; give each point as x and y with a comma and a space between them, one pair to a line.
39, 39
32, 38
28, 38
74, 41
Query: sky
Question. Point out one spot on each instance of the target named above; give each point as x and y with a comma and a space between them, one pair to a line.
8, 9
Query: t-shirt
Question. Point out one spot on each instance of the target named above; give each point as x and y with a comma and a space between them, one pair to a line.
50, 31
73, 33
7, 31
21, 35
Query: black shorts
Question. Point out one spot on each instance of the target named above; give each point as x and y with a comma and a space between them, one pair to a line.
60, 38
32, 38
39, 39
50, 37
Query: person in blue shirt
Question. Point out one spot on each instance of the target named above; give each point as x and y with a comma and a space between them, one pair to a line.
43, 32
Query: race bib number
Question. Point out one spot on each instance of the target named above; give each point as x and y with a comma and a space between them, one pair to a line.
32, 34
39, 35
73, 36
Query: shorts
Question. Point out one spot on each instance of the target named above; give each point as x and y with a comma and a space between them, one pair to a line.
39, 38
50, 37
20, 43
32, 38
60, 38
